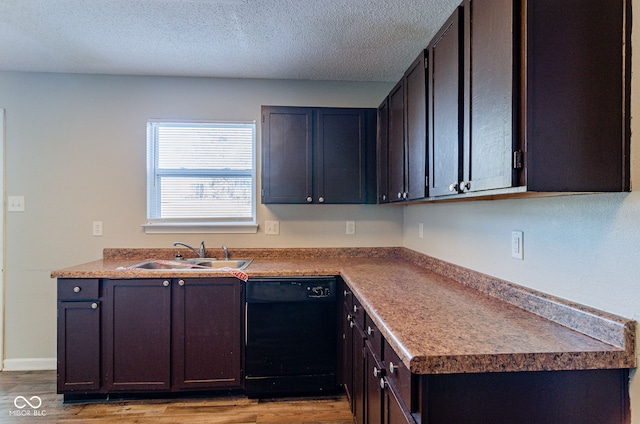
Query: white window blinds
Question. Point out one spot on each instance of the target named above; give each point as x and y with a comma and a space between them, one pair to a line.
200, 172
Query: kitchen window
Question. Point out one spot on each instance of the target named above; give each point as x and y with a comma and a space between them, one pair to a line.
201, 177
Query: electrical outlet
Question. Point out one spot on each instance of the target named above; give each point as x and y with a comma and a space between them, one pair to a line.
517, 245
421, 230
15, 203
97, 228
272, 228
351, 227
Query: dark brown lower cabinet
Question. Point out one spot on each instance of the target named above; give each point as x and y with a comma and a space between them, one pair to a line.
373, 399
395, 412
142, 335
206, 333
384, 391
78, 346
359, 382
137, 335
562, 397
78, 326
373, 376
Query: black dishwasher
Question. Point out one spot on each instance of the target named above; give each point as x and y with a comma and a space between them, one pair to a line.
290, 336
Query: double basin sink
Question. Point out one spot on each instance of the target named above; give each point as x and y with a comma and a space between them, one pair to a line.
192, 264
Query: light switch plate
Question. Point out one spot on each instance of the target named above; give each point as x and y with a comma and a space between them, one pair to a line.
517, 245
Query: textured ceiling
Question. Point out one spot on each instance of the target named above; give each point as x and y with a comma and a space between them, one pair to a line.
353, 40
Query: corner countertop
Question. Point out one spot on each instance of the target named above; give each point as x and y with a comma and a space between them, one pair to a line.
438, 317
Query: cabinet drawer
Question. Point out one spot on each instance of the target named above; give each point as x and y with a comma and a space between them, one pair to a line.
373, 336
78, 289
398, 375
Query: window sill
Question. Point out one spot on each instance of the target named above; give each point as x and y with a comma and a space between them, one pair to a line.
199, 228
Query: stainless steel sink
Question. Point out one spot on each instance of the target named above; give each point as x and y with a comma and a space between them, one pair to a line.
220, 263
192, 264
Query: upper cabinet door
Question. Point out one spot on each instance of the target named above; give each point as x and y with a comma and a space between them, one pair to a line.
416, 128
397, 190
341, 160
577, 95
445, 107
383, 151
489, 95
287, 154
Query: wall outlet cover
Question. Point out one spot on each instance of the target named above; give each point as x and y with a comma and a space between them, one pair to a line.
272, 228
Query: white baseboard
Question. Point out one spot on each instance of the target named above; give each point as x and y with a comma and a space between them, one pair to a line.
29, 364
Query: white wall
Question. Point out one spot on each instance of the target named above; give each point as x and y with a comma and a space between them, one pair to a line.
76, 151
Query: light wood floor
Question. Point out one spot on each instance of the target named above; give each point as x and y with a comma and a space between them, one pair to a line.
205, 410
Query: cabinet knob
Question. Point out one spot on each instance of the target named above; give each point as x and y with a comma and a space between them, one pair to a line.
77, 289
181, 282
349, 317
382, 383
464, 185
321, 199
352, 324
370, 330
166, 283
452, 187
309, 199
378, 372
392, 368
405, 195
94, 305
346, 293
384, 197
355, 309
399, 195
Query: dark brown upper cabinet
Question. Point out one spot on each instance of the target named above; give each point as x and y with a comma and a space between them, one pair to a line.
490, 93
575, 84
545, 100
445, 106
396, 143
402, 145
318, 155
383, 151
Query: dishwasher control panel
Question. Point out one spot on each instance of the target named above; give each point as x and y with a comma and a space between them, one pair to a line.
319, 291
290, 289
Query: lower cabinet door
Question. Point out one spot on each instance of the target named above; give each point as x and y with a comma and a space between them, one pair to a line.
359, 391
394, 409
207, 328
374, 390
137, 334
78, 346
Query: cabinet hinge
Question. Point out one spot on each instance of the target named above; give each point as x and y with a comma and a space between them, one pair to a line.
426, 181
426, 63
517, 159
263, 119
262, 192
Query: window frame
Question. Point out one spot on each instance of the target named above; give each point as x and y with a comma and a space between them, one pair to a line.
195, 225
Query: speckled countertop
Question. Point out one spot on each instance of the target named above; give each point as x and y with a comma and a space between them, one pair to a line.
438, 317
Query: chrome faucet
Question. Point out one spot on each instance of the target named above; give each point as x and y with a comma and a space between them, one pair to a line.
226, 252
201, 253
